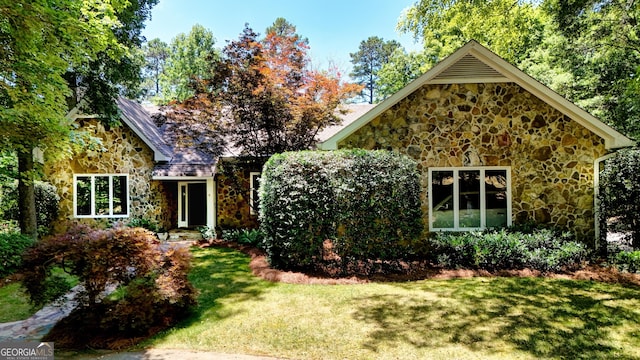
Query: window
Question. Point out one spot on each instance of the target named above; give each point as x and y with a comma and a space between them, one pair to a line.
255, 185
98, 195
469, 198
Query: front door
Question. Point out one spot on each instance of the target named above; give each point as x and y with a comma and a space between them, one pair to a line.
192, 204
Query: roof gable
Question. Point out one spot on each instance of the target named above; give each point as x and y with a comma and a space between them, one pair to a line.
136, 118
473, 63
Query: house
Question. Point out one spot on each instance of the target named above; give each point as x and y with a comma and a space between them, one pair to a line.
494, 146
135, 172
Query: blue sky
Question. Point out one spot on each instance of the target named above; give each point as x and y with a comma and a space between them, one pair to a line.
334, 27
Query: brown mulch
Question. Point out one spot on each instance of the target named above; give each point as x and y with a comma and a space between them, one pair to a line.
416, 271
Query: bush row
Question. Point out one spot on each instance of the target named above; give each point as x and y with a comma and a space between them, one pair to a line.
367, 203
546, 250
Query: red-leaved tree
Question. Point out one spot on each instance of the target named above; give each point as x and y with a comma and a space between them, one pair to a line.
261, 98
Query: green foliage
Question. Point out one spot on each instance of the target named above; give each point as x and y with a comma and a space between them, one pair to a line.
402, 68
510, 28
47, 200
366, 203
252, 237
371, 56
545, 250
154, 282
627, 261
189, 59
207, 232
49, 50
145, 224
156, 53
12, 246
619, 193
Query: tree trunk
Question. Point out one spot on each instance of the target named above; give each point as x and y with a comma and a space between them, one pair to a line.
26, 194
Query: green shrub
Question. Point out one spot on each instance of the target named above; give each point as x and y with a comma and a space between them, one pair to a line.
157, 291
252, 237
545, 250
453, 250
367, 203
628, 261
12, 247
143, 223
551, 250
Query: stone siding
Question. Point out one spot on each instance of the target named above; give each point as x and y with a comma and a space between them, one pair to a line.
121, 152
550, 155
233, 210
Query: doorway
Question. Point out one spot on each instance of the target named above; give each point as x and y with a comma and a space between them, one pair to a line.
192, 204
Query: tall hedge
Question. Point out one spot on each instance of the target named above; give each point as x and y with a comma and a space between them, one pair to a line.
367, 203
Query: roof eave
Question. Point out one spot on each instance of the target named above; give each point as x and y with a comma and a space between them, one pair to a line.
158, 155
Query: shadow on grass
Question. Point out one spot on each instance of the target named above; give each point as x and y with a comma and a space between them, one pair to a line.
544, 318
221, 273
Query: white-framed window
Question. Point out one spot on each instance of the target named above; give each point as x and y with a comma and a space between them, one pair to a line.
253, 191
100, 195
469, 198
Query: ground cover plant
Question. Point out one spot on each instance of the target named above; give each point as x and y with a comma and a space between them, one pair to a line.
464, 318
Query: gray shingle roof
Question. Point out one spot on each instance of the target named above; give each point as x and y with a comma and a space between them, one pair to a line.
171, 160
174, 161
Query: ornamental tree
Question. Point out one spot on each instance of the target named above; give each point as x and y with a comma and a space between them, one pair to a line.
261, 98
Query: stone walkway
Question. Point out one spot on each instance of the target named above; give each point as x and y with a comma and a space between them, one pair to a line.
38, 325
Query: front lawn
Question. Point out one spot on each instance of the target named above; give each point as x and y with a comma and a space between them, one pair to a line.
14, 303
527, 318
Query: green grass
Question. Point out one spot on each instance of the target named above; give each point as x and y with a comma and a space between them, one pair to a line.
14, 301
488, 318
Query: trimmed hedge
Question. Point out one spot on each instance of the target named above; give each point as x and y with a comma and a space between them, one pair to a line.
546, 250
366, 203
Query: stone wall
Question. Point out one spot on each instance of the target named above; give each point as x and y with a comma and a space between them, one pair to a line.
233, 210
121, 152
551, 156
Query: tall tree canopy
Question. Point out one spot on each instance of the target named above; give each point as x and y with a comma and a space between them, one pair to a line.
602, 54
402, 68
47, 49
262, 97
509, 27
588, 51
189, 60
156, 53
371, 56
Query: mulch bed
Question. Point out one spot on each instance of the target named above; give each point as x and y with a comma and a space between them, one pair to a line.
416, 271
